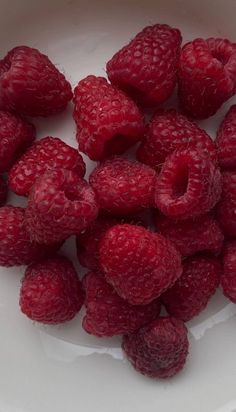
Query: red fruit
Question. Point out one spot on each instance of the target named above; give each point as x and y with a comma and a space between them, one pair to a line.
192, 235
30, 84
15, 245
107, 314
192, 291
139, 264
123, 186
16, 135
51, 291
226, 140
207, 75
108, 122
146, 68
226, 207
228, 277
48, 153
3, 191
189, 185
168, 131
158, 350
60, 204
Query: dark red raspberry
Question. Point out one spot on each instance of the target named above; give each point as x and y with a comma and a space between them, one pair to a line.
3, 191
16, 135
147, 67
207, 75
228, 277
226, 140
60, 204
108, 121
189, 185
168, 131
51, 291
15, 245
226, 207
123, 186
30, 84
48, 153
158, 350
107, 314
139, 264
192, 235
192, 291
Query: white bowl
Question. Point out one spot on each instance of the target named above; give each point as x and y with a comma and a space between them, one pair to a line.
61, 369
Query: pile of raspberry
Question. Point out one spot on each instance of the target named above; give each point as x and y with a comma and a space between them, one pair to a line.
155, 228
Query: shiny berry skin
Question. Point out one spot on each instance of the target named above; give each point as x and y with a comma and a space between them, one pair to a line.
108, 121
60, 204
228, 276
3, 191
226, 140
225, 209
189, 185
107, 314
48, 153
51, 291
31, 85
16, 135
158, 350
139, 264
169, 130
191, 235
208, 66
192, 291
146, 68
123, 186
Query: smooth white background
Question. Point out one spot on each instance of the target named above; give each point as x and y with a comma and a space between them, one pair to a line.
62, 369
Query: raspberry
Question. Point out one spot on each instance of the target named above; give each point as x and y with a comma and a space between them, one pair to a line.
208, 66
107, 314
16, 135
3, 191
226, 140
192, 235
226, 207
147, 67
158, 350
108, 122
15, 245
123, 186
168, 131
46, 154
51, 291
31, 85
189, 185
139, 264
228, 277
60, 204
191, 293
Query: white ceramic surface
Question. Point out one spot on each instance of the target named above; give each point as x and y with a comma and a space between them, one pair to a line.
47, 369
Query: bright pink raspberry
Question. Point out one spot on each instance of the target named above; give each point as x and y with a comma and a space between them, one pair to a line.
3, 191
193, 290
146, 68
158, 350
108, 121
51, 291
226, 140
31, 85
60, 204
15, 245
48, 153
228, 277
168, 131
226, 207
107, 314
189, 185
139, 264
207, 75
123, 186
16, 135
192, 235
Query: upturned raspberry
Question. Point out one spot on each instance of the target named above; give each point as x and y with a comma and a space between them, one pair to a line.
228, 277
225, 209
